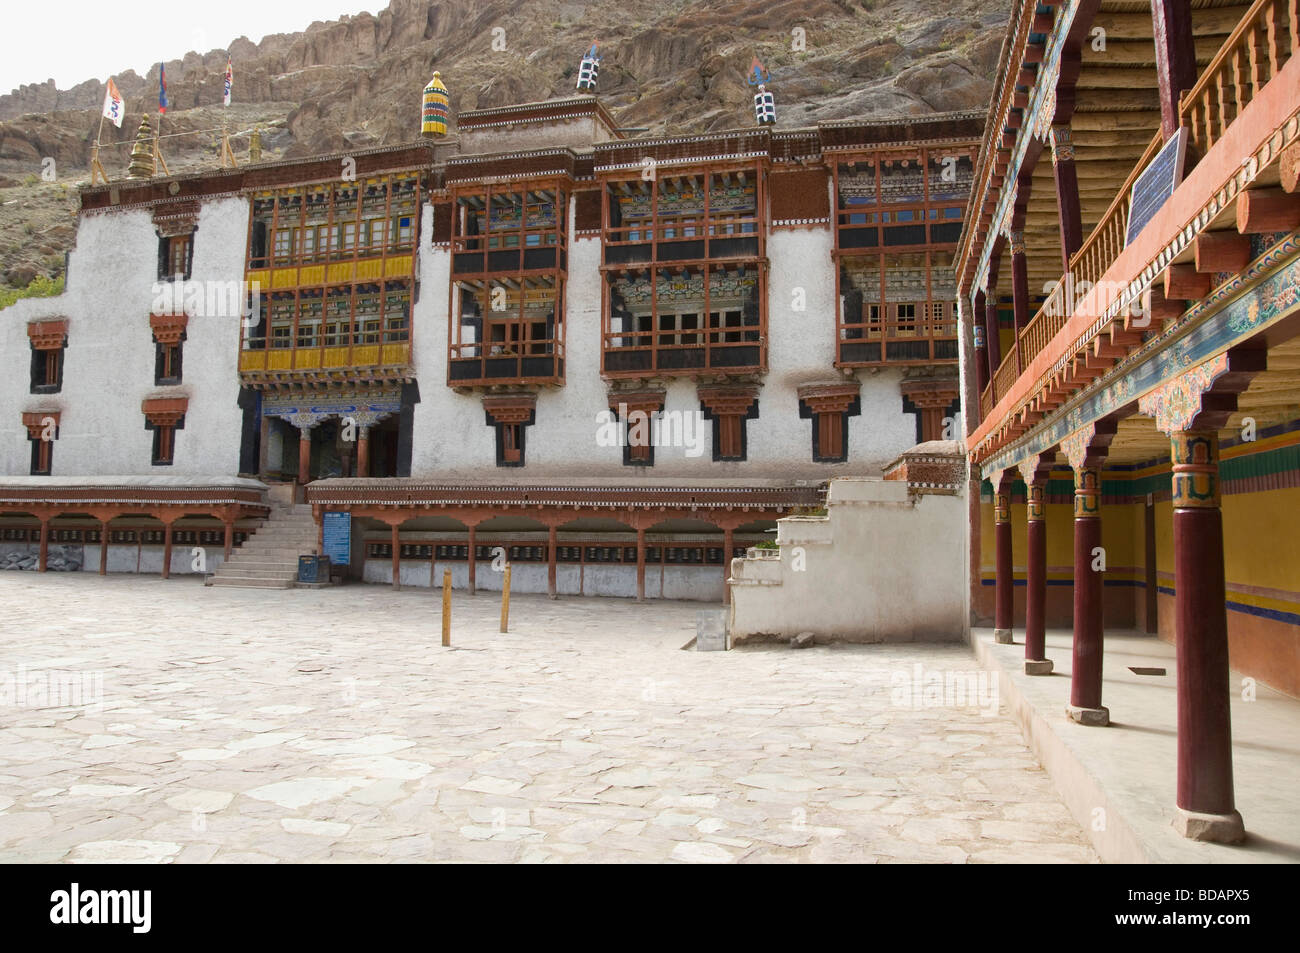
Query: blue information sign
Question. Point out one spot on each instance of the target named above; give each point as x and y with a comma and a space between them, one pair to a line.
338, 538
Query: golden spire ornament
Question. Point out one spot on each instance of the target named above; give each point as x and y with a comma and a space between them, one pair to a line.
142, 161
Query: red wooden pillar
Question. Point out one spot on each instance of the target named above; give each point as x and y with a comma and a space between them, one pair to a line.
1036, 660
473, 560
103, 547
304, 455
728, 543
981, 357
45, 544
230, 537
397, 559
1085, 677
640, 564
1171, 22
992, 342
552, 536
1019, 280
167, 550
1003, 593
1207, 809
363, 452
1067, 195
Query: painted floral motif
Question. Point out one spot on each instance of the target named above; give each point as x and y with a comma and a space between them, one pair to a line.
1175, 404
1075, 446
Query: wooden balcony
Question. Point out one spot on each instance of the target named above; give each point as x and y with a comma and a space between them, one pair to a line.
897, 341
369, 360
1265, 39
636, 353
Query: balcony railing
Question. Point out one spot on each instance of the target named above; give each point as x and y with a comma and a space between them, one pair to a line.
258, 358
1267, 36
533, 361
682, 240
898, 341
630, 353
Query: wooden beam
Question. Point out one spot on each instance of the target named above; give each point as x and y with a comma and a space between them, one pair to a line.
1118, 100
1185, 283
1117, 77
1086, 118
1142, 52
1288, 167
1260, 211
1138, 26
1222, 251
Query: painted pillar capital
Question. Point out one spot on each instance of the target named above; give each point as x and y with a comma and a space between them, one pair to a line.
1087, 493
1036, 494
1062, 144
1195, 455
1016, 238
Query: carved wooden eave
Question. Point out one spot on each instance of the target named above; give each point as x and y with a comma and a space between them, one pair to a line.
48, 335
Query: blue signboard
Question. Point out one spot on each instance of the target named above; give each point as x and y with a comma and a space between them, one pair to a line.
338, 538
1156, 183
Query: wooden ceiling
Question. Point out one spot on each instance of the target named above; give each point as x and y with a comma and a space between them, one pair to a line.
1116, 116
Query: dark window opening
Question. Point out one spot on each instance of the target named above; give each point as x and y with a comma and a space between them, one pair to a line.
47, 370
167, 362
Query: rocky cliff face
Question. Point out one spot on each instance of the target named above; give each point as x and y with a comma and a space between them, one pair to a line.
672, 66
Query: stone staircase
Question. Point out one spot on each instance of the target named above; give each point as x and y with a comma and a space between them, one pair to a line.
269, 558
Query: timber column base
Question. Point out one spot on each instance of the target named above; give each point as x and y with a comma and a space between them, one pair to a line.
1003, 637
1217, 828
1092, 717
1038, 666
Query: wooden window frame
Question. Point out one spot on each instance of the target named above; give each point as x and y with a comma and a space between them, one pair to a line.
830, 406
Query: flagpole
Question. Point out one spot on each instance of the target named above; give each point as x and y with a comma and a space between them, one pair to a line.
96, 167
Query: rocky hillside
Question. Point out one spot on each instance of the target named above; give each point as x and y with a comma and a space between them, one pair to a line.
672, 66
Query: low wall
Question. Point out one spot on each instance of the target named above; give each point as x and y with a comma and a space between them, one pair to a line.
886, 564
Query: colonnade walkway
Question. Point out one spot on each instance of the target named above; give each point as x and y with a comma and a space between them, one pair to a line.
1119, 780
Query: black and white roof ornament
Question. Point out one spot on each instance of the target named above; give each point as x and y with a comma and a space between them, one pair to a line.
588, 71
764, 101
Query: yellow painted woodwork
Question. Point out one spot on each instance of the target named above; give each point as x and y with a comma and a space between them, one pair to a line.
308, 357
252, 360
280, 360
370, 269
342, 271
398, 267
311, 275
335, 357
365, 354
260, 276
284, 277
397, 353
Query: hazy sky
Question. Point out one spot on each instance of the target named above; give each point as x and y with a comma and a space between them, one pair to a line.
76, 41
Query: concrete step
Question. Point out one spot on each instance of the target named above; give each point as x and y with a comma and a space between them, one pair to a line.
285, 548
238, 583
285, 575
261, 564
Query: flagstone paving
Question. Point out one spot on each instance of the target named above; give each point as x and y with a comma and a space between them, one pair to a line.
241, 726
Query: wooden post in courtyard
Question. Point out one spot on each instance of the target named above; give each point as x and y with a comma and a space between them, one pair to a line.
505, 600
446, 607
551, 541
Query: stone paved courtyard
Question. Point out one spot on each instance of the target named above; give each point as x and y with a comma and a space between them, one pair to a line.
249, 726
